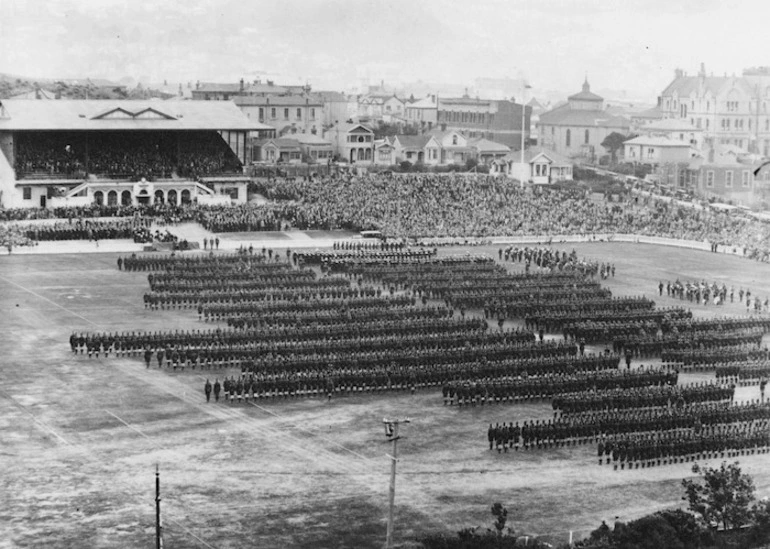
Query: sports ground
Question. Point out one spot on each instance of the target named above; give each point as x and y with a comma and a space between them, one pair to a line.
81, 437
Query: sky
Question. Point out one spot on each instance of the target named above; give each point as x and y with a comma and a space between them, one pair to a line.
343, 44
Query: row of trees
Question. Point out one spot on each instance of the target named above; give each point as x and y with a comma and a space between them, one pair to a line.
723, 513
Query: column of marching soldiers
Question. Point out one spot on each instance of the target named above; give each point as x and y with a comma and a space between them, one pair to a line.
400, 319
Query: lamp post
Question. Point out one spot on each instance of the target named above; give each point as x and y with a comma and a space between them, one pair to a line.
524, 88
391, 431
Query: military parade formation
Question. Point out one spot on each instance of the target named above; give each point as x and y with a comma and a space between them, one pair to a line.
368, 318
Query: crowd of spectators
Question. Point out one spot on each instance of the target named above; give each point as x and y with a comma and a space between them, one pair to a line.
125, 155
455, 206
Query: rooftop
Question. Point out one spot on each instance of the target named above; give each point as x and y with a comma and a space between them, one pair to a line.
122, 115
656, 142
586, 94
277, 101
567, 116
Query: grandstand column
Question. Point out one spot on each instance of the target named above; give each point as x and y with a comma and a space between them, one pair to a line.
178, 150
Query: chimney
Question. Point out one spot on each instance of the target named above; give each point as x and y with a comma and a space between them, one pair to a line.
242, 87
198, 85
432, 98
180, 90
702, 72
678, 73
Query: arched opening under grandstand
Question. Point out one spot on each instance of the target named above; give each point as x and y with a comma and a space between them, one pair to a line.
125, 198
143, 197
185, 196
159, 197
112, 198
171, 197
99, 198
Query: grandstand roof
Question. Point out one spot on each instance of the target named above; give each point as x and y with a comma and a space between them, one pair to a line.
122, 115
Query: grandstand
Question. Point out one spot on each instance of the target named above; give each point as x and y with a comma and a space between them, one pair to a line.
122, 152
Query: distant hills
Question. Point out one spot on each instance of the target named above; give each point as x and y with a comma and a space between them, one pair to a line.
73, 88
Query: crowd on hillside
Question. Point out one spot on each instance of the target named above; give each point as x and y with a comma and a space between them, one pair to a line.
425, 206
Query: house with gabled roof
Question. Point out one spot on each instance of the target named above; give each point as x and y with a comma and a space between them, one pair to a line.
352, 142
653, 150
384, 152
486, 151
279, 150
454, 147
541, 166
423, 149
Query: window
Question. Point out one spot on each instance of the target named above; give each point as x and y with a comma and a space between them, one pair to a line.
710, 178
454, 140
27, 193
729, 179
698, 123
312, 114
272, 113
650, 152
707, 123
587, 137
568, 138
299, 114
745, 178
285, 114
261, 114
553, 130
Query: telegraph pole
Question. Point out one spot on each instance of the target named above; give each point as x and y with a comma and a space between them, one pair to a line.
524, 88
158, 538
391, 431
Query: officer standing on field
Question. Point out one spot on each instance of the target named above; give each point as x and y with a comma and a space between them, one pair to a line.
207, 390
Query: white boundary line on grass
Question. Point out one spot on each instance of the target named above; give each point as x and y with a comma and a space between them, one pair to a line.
48, 300
127, 424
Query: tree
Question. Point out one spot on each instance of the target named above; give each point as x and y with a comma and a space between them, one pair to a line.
724, 497
613, 143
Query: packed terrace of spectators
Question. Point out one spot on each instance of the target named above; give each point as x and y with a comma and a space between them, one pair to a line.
149, 155
424, 206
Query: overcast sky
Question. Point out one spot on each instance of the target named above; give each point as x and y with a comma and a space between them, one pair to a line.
628, 44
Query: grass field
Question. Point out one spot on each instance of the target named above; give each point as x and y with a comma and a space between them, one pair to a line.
80, 437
